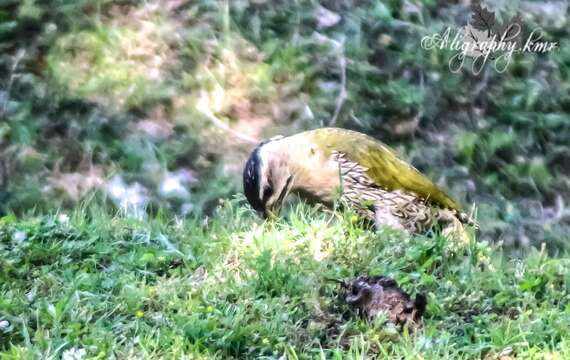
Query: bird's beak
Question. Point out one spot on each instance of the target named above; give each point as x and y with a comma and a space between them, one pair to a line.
271, 213
267, 214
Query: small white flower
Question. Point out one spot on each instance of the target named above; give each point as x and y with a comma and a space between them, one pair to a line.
63, 218
4, 324
74, 354
20, 236
51, 28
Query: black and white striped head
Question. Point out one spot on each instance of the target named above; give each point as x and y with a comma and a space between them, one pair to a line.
266, 178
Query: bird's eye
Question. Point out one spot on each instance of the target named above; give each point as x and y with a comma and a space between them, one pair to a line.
267, 192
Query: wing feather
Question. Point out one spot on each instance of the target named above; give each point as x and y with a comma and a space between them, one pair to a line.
385, 168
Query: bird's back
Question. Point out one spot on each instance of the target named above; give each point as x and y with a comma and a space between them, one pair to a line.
385, 168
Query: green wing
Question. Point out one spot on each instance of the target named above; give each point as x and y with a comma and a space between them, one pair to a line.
384, 166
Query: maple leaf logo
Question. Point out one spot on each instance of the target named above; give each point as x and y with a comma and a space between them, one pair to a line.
481, 18
483, 29
510, 29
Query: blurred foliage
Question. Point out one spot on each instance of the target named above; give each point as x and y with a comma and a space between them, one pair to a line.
93, 89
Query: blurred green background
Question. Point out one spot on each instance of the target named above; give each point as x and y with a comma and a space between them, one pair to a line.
155, 104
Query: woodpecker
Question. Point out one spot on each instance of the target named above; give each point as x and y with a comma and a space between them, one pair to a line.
329, 164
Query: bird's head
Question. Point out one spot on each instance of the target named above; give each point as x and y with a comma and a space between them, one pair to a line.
267, 178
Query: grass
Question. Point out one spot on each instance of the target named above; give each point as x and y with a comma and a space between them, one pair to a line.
231, 286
